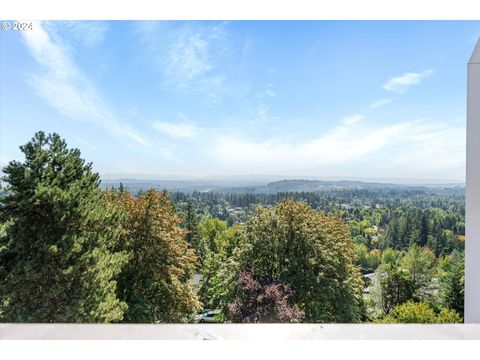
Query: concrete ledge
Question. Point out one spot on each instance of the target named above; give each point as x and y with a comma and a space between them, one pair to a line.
238, 331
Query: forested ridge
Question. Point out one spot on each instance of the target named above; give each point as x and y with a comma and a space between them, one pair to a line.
74, 250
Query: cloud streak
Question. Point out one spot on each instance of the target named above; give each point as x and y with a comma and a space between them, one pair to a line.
352, 120
380, 103
401, 84
63, 86
177, 131
419, 145
88, 33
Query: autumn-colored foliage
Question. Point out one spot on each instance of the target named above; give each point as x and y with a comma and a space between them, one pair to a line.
156, 281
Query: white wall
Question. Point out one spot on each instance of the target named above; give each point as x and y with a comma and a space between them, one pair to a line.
472, 221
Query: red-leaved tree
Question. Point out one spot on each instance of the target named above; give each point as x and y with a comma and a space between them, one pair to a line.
258, 302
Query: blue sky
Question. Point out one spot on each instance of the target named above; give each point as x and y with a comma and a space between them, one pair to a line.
320, 99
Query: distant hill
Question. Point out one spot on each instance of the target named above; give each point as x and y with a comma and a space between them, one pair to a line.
258, 187
322, 185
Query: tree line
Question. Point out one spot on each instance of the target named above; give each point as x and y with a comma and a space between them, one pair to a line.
71, 251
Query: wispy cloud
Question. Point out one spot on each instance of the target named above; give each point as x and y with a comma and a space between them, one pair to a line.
339, 145
188, 56
419, 145
64, 87
261, 113
380, 103
354, 119
89, 33
164, 152
400, 84
270, 91
432, 148
176, 130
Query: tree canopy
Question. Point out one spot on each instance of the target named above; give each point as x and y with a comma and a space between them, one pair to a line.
291, 243
421, 313
58, 253
156, 281
75, 250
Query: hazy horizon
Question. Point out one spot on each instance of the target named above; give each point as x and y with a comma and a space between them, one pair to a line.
272, 178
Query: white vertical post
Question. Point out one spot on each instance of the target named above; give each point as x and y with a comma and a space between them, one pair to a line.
472, 221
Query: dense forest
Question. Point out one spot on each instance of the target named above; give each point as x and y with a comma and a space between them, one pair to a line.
75, 250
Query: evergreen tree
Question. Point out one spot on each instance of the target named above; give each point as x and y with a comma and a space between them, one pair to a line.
191, 225
58, 262
391, 238
453, 281
424, 231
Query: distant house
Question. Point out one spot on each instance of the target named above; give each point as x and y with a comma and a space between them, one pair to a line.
371, 277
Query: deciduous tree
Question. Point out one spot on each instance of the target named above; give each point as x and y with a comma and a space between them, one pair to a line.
262, 303
293, 244
156, 281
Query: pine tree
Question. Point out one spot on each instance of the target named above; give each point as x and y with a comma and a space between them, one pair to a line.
57, 256
191, 225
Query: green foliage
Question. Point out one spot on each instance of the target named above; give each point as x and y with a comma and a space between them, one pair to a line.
57, 248
156, 281
191, 225
449, 316
404, 276
393, 286
72, 253
294, 244
390, 256
211, 233
368, 261
221, 269
420, 264
453, 282
433, 227
378, 218
421, 313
